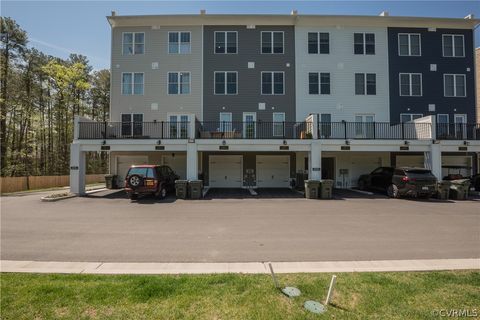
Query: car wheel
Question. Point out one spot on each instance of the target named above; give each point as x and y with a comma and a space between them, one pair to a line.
162, 193
392, 191
361, 185
135, 181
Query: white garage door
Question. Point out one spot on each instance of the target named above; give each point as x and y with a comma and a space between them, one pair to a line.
410, 161
363, 165
124, 163
225, 171
460, 161
178, 163
273, 171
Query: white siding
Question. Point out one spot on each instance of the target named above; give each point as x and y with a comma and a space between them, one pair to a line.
342, 64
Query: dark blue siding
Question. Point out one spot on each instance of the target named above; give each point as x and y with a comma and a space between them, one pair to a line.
432, 81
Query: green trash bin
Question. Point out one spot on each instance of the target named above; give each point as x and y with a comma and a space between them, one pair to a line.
459, 189
311, 189
443, 188
195, 188
326, 187
109, 181
181, 189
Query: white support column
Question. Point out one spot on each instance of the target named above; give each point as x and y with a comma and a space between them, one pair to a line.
433, 160
77, 170
192, 161
315, 161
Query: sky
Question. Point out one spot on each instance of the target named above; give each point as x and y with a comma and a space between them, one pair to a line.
59, 28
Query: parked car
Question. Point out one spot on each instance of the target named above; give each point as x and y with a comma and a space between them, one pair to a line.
417, 182
149, 179
378, 179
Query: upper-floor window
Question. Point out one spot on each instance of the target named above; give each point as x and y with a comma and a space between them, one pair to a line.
318, 42
319, 83
453, 45
365, 83
179, 42
407, 117
410, 84
225, 82
132, 124
226, 41
454, 85
409, 44
364, 43
272, 83
132, 83
272, 41
178, 82
133, 43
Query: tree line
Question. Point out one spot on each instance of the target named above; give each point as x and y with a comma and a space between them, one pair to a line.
39, 97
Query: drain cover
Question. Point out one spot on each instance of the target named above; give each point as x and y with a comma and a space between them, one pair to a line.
314, 306
291, 291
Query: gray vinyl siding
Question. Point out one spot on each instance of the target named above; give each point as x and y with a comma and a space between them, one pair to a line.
155, 80
249, 80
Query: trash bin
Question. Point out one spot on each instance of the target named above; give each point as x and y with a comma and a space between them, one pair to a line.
311, 189
181, 189
459, 189
195, 188
111, 181
443, 188
326, 187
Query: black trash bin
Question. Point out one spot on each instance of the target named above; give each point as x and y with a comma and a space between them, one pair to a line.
195, 188
111, 181
181, 189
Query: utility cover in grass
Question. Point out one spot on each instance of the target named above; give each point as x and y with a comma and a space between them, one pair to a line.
314, 306
291, 292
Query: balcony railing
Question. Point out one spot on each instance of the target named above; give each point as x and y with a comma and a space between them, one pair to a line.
133, 130
374, 130
253, 130
458, 131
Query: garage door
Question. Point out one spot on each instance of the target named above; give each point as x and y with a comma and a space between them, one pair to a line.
225, 171
178, 163
458, 161
124, 163
410, 161
273, 171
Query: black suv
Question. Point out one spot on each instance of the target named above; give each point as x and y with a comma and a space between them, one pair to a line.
149, 179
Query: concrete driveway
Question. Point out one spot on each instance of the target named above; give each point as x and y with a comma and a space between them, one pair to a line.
109, 227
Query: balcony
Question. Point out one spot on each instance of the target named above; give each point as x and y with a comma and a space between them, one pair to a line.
134, 130
375, 130
458, 131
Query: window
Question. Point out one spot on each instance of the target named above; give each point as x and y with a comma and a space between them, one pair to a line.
409, 44
225, 42
225, 121
442, 125
272, 83
410, 84
454, 85
272, 41
178, 126
407, 117
364, 43
249, 125
132, 83
318, 42
132, 124
453, 45
179, 42
225, 82
278, 124
365, 83
179, 83
325, 125
133, 43
316, 87
364, 126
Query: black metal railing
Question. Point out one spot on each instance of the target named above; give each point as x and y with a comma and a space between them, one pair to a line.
458, 131
253, 130
134, 130
374, 130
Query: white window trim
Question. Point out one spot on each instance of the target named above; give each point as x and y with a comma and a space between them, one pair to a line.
443, 114
133, 43
454, 85
133, 84
365, 44
364, 83
318, 41
225, 37
463, 115
131, 121
179, 41
283, 42
273, 84
225, 86
178, 76
453, 45
410, 45
411, 116
409, 84
276, 123
245, 123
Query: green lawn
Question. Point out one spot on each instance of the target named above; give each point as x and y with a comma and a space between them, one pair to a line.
409, 295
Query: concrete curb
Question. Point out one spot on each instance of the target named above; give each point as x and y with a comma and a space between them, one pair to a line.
237, 267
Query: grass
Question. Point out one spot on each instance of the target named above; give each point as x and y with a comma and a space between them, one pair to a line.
409, 295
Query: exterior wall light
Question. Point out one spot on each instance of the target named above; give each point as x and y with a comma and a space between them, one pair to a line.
159, 141
224, 142
285, 142
406, 142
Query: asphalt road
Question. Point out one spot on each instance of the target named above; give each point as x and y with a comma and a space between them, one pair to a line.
108, 227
